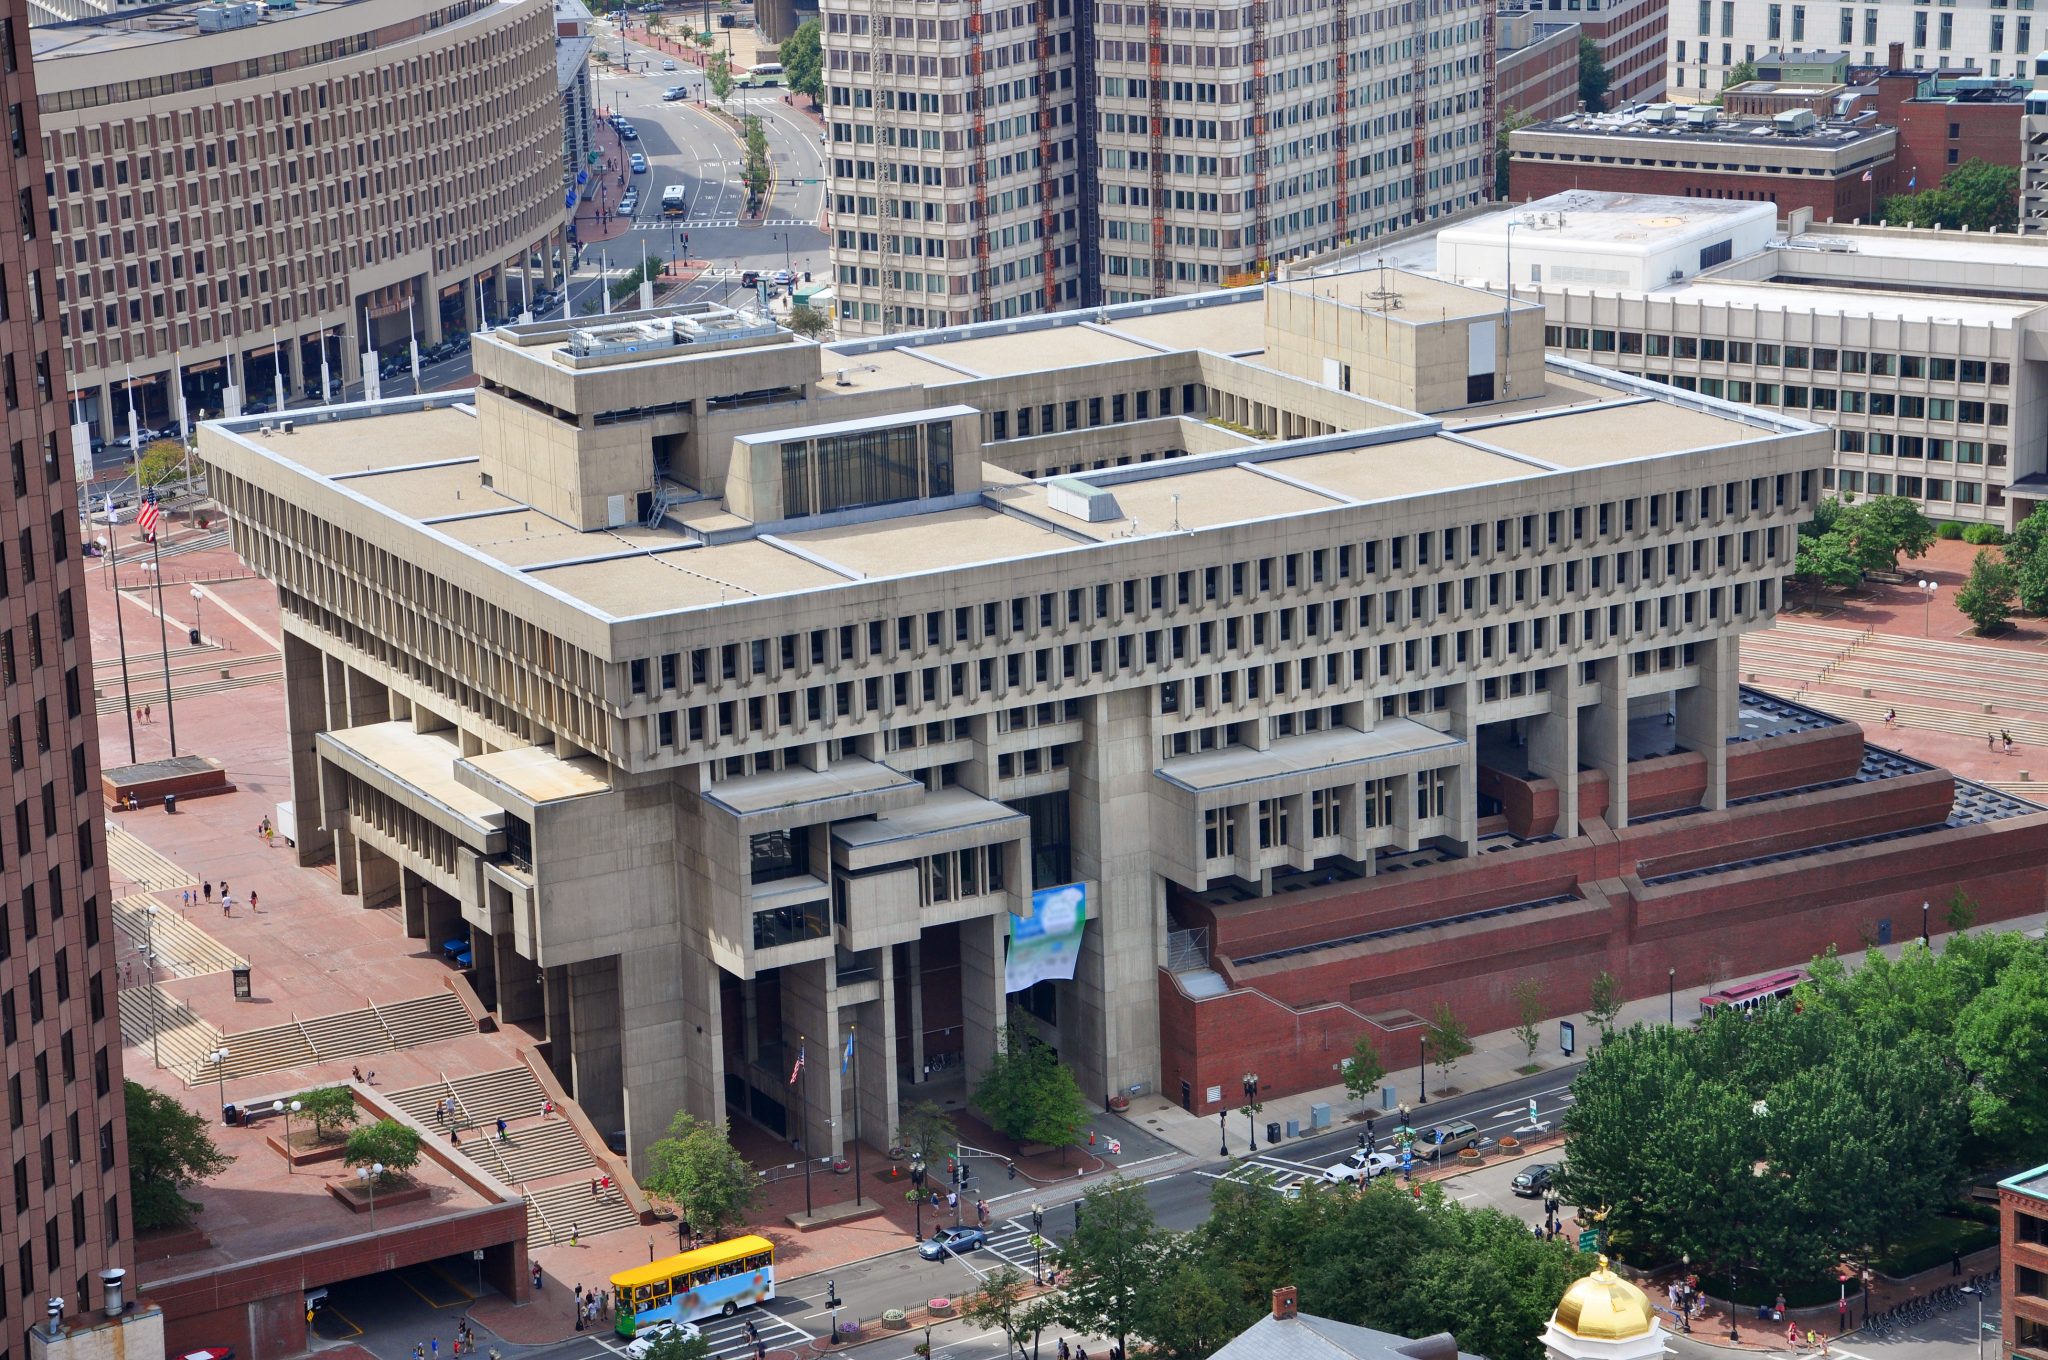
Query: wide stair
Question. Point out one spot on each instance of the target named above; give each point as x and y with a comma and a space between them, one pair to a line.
153, 1023
131, 859
546, 1158
182, 949
427, 1019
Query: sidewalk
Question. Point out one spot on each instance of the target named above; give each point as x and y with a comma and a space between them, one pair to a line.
1712, 1330
1497, 1058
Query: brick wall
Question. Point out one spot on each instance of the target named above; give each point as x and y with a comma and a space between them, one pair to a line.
1989, 132
1842, 199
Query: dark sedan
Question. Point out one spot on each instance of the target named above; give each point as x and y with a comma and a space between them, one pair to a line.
1534, 1179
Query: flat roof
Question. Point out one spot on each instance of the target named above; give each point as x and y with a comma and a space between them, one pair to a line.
334, 448
1293, 756
1640, 220
432, 491
423, 762
1755, 134
541, 776
913, 543
653, 583
1238, 328
1411, 299
1602, 435
1033, 351
1410, 467
1848, 300
2031, 1183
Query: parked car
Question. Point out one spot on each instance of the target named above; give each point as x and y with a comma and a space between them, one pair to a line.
629, 132
1363, 1164
638, 162
653, 1333
630, 204
1534, 1179
952, 1242
1458, 1135
750, 278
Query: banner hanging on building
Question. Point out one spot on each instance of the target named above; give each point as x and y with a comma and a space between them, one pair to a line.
1045, 944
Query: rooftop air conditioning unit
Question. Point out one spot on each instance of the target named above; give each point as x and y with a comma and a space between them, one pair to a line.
1796, 121
1702, 116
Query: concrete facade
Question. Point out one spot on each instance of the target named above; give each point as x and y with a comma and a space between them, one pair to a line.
1538, 66
1916, 346
997, 161
224, 226
70, 1214
895, 633
1709, 38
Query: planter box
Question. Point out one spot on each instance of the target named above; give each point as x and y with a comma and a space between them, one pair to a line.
305, 1156
408, 1192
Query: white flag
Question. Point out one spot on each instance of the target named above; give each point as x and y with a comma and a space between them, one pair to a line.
113, 515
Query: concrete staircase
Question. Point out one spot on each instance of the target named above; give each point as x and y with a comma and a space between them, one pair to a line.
427, 1019
182, 949
151, 1022
131, 859
545, 1158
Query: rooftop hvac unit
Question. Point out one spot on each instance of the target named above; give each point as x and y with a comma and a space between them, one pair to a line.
1796, 121
222, 18
1702, 116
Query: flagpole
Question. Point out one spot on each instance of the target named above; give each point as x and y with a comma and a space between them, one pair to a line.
852, 1044
804, 1122
121, 631
163, 629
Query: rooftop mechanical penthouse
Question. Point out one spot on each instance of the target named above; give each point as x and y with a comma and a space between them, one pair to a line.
733, 690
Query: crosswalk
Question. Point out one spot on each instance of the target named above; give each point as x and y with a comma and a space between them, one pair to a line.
1010, 1241
1278, 1173
692, 223
728, 1339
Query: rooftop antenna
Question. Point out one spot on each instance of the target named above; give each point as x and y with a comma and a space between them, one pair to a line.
1385, 298
1175, 498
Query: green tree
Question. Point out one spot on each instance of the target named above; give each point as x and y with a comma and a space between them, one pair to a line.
2001, 1038
1891, 525
1826, 560
1111, 1260
1593, 77
1449, 1040
1986, 598
1510, 120
1603, 1002
168, 1152
719, 77
808, 321
1528, 995
386, 1143
162, 461
2027, 551
1498, 1283
1027, 1095
1001, 1305
1189, 1312
756, 174
1741, 73
674, 1345
927, 1130
1976, 195
1962, 911
803, 61
1363, 1069
695, 1167
331, 1108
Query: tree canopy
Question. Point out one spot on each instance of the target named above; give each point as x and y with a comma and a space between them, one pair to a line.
1363, 1069
1844, 540
1027, 1095
169, 1151
386, 1143
1976, 194
2027, 552
1741, 73
1987, 596
696, 1168
1593, 77
1110, 1260
803, 60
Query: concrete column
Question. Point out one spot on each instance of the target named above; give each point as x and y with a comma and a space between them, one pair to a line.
700, 1054
913, 960
810, 1015
1461, 784
1707, 713
305, 715
519, 990
554, 983
1552, 749
368, 700
376, 876
983, 1003
595, 1049
483, 954
412, 898
441, 916
1113, 1041
875, 1033
654, 1037
1603, 736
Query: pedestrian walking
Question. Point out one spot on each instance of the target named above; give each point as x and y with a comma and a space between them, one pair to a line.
1991, 741
575, 1235
501, 1131
223, 887
227, 905
753, 1332
1891, 717
952, 1200
1063, 1353
252, 899
1842, 1321
434, 1349
207, 889
536, 1275
2008, 742
1955, 1262
760, 1350
441, 1113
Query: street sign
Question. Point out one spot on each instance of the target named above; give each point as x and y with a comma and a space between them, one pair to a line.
1532, 1109
1589, 1240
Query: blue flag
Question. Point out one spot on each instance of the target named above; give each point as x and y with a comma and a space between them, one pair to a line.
847, 1056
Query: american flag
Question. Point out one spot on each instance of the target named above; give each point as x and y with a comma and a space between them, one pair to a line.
798, 1070
148, 516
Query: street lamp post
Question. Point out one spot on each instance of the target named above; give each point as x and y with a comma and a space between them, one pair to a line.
1733, 1333
1973, 1289
219, 1059
197, 596
1223, 1132
1924, 937
1422, 1069
1927, 589
1250, 1083
156, 1022
1671, 994
1038, 1244
279, 1107
368, 1176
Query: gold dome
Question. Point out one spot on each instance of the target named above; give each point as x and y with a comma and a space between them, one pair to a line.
1605, 1307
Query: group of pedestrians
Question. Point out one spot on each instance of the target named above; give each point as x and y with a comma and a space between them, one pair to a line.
464, 1344
592, 1307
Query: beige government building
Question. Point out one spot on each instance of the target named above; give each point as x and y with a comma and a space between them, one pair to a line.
737, 693
236, 189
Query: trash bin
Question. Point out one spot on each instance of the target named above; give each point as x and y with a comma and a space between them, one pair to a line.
170, 802
229, 1114
192, 635
1273, 1131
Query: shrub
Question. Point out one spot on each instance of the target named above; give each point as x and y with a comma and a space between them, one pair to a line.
1949, 529
386, 1143
1981, 534
331, 1108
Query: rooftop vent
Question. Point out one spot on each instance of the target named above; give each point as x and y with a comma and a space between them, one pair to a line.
1796, 121
1084, 501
